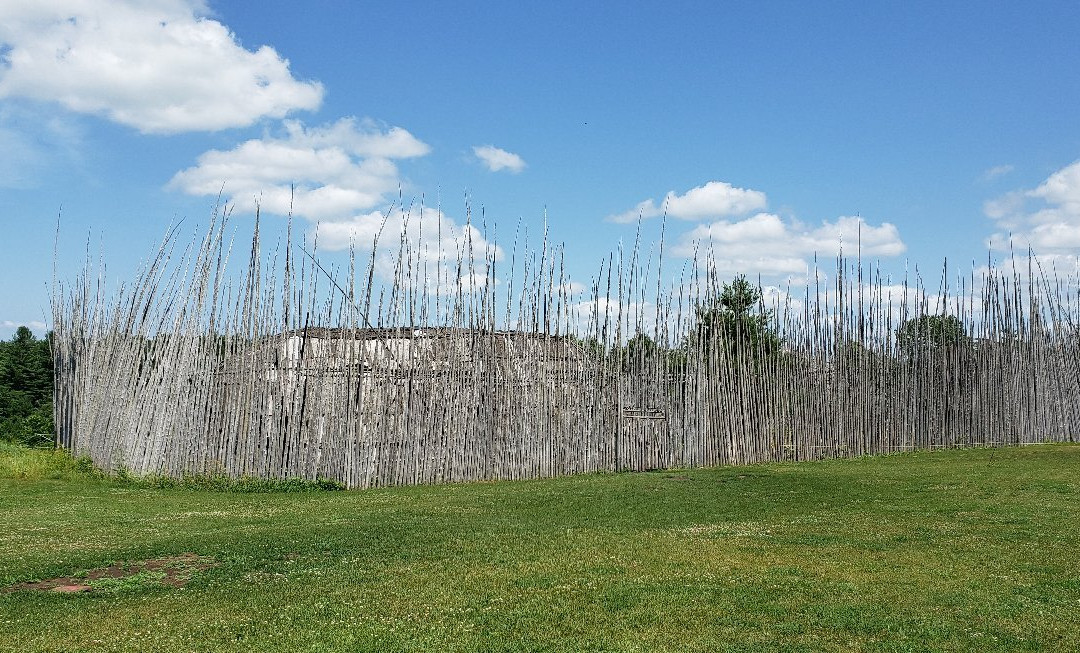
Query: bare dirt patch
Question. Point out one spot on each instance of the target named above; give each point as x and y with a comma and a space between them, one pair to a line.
173, 571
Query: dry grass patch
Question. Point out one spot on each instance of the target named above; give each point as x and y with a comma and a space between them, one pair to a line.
172, 571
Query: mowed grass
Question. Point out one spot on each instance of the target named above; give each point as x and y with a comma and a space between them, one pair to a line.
950, 551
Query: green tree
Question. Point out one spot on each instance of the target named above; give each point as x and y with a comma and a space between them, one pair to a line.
735, 322
26, 385
930, 333
591, 348
638, 352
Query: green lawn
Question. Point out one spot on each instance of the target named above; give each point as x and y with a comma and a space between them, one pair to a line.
956, 550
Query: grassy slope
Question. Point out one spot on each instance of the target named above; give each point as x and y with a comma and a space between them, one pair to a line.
956, 550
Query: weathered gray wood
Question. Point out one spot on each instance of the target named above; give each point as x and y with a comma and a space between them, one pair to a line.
446, 375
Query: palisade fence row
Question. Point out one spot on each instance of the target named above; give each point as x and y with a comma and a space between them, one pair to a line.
468, 366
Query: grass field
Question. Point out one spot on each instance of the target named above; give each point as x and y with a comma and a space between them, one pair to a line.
956, 550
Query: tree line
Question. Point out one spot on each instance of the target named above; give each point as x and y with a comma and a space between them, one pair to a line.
735, 323
26, 389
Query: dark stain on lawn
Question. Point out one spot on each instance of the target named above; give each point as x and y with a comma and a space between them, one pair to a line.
172, 571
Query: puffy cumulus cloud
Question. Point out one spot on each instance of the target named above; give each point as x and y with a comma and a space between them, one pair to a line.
320, 173
1045, 219
160, 66
496, 159
716, 199
1061, 188
360, 138
449, 255
765, 244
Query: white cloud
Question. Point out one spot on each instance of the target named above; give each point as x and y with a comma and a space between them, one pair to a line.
496, 159
766, 244
993, 173
416, 236
23, 159
33, 143
1045, 219
1061, 188
570, 288
8, 327
320, 173
363, 139
590, 315
1003, 207
1056, 268
716, 199
160, 66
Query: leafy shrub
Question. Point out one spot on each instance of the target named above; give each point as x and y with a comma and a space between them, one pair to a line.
34, 429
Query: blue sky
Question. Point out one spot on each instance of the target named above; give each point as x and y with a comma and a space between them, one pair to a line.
770, 129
